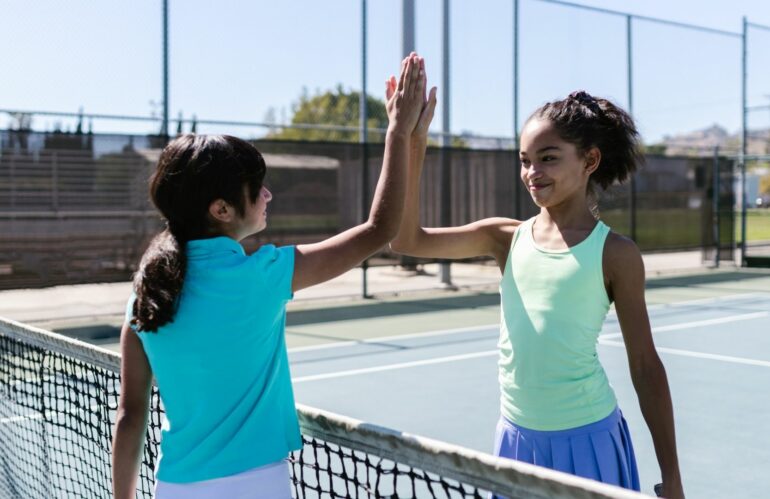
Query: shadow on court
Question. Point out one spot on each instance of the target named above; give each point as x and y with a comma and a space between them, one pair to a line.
390, 308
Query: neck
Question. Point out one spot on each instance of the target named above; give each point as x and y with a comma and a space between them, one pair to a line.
568, 215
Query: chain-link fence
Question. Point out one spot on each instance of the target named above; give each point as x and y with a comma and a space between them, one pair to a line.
310, 92
757, 213
270, 69
74, 207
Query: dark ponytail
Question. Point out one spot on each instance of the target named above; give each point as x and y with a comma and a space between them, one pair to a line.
587, 122
158, 282
193, 171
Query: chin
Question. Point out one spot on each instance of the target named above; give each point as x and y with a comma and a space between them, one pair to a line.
540, 202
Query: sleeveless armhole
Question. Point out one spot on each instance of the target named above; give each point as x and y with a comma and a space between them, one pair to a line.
515, 238
602, 247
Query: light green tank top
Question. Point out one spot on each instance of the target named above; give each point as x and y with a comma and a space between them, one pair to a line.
553, 304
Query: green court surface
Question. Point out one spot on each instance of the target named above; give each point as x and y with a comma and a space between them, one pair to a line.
407, 315
428, 366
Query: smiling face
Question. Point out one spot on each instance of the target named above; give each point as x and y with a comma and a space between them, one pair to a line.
554, 171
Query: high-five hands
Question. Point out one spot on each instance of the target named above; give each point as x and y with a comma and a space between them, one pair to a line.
406, 98
428, 101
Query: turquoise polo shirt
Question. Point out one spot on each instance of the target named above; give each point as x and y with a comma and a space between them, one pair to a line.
222, 366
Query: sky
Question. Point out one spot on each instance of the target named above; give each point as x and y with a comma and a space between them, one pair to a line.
237, 60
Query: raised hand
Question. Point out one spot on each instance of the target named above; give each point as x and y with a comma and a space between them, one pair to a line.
428, 109
420, 131
406, 97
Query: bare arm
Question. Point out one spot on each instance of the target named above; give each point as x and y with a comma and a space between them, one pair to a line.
131, 419
489, 237
625, 271
316, 263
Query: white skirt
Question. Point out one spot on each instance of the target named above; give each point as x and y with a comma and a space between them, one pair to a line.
271, 481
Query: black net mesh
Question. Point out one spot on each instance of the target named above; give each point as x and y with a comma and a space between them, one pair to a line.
323, 469
56, 418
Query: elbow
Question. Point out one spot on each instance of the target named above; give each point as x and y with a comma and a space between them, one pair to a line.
128, 421
647, 370
398, 245
381, 233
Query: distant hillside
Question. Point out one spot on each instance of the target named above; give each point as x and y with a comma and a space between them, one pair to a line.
703, 142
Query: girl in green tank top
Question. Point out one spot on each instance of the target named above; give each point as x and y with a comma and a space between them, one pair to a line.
561, 271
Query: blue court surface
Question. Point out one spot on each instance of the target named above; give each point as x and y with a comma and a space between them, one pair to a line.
440, 381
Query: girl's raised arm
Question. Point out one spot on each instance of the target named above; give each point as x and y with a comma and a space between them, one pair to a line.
488, 237
319, 262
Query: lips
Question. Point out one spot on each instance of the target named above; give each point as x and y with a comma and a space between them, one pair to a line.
538, 187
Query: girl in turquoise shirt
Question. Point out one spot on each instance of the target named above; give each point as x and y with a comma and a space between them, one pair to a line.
560, 272
207, 320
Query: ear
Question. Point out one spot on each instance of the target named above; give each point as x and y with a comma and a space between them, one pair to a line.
593, 157
221, 211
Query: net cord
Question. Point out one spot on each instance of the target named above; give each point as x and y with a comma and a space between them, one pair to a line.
503, 476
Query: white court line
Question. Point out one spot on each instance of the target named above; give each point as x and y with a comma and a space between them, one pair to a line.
390, 367
603, 339
381, 339
699, 301
690, 325
440, 332
699, 355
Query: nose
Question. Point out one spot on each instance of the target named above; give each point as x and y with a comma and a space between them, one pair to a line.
531, 172
266, 194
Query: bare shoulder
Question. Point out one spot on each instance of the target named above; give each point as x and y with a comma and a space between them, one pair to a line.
501, 231
621, 257
499, 224
500, 228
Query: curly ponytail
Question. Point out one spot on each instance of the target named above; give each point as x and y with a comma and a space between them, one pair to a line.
587, 122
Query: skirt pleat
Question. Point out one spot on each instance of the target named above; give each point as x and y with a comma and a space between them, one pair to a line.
600, 451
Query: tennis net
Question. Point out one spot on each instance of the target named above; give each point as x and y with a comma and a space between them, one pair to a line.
59, 396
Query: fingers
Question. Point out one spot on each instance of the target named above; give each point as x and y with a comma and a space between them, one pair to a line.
431, 105
425, 82
420, 83
390, 87
426, 115
410, 78
402, 76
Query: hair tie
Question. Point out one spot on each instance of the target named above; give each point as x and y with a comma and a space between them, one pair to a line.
584, 98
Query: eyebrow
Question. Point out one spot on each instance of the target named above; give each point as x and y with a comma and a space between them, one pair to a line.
542, 150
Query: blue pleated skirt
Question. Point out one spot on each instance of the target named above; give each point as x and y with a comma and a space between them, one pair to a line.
600, 451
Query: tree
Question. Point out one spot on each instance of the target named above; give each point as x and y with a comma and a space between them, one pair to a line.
655, 149
338, 107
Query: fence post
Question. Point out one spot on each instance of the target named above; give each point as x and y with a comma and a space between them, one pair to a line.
717, 219
630, 82
516, 77
517, 184
446, 141
164, 125
744, 147
363, 140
